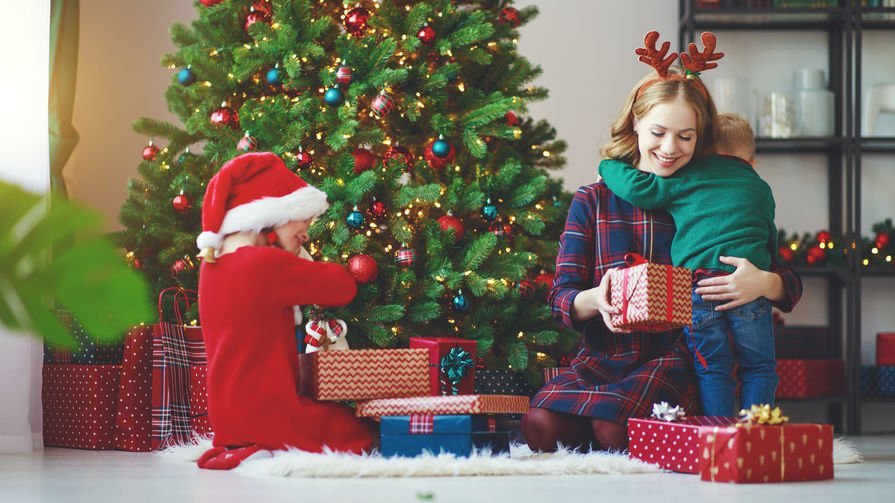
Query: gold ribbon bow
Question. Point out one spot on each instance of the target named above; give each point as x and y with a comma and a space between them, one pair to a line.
762, 414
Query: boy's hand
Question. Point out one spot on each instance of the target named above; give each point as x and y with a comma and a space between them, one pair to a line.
744, 285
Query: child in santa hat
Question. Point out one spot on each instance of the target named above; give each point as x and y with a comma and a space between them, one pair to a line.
255, 217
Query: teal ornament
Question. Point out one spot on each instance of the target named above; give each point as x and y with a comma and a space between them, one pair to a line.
355, 219
489, 211
441, 148
186, 76
274, 77
460, 303
455, 366
334, 97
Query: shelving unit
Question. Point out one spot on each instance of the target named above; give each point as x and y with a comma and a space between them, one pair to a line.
844, 26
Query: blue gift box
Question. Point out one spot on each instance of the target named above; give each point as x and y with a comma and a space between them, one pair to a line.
885, 380
868, 380
88, 350
409, 436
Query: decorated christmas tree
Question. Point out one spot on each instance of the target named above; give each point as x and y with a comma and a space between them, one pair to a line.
411, 116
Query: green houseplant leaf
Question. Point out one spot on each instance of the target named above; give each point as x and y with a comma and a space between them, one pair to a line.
88, 278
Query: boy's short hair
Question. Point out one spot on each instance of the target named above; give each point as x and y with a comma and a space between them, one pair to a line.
735, 136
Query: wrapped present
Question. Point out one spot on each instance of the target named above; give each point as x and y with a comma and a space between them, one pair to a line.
451, 364
868, 380
651, 297
87, 351
552, 372
451, 404
501, 382
199, 422
810, 378
670, 442
455, 434
804, 342
885, 380
885, 349
361, 374
133, 422
771, 452
79, 405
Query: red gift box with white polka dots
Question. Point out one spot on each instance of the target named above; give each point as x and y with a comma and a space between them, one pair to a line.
671, 445
79, 405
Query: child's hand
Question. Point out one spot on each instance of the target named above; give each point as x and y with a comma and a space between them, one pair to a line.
744, 285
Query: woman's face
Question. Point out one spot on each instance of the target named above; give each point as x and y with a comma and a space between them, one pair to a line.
293, 235
666, 137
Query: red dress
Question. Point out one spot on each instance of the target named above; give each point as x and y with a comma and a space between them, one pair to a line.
245, 304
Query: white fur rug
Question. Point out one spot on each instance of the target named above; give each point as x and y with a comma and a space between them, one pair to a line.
522, 461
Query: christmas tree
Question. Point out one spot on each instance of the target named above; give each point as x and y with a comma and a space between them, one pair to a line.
409, 115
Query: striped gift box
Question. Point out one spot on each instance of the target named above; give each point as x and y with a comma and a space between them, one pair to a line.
362, 374
444, 405
651, 297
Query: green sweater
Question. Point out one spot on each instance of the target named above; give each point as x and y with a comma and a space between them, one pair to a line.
720, 206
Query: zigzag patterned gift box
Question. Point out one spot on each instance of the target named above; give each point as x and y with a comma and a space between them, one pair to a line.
671, 445
453, 404
363, 374
652, 297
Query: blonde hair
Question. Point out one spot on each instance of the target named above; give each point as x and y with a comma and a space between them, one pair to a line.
623, 145
735, 136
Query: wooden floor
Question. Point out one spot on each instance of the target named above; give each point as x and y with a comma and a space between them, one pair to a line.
75, 476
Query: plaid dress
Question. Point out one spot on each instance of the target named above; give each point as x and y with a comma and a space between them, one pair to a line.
617, 376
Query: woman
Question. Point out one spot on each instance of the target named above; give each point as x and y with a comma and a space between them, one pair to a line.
255, 217
618, 374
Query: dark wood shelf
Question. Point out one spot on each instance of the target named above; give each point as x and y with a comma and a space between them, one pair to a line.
878, 399
877, 18
807, 145
878, 271
768, 18
817, 399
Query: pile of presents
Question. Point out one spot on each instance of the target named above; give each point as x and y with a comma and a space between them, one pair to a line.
879, 380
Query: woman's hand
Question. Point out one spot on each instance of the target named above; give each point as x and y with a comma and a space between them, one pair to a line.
744, 285
602, 297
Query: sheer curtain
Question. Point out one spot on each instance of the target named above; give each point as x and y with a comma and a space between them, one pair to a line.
24, 160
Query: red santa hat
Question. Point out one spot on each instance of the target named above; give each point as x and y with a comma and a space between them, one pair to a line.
252, 192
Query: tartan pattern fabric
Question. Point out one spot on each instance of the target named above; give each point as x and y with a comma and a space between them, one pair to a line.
175, 349
642, 293
79, 405
360, 374
617, 376
804, 342
552, 372
421, 424
443, 405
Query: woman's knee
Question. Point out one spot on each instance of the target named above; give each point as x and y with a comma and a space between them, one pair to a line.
540, 430
609, 435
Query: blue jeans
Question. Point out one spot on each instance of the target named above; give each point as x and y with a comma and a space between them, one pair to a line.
751, 330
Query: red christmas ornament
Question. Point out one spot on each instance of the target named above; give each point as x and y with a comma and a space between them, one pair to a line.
137, 264
525, 288
262, 6
511, 118
181, 203
881, 240
178, 267
378, 209
816, 255
436, 162
500, 229
150, 152
363, 160
225, 116
545, 280
343, 76
382, 105
510, 16
399, 153
356, 21
426, 35
405, 257
451, 222
246, 144
363, 268
209, 3
786, 254
823, 237
256, 17
303, 159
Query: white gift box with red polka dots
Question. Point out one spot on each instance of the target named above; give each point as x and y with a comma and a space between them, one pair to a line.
80, 403
671, 445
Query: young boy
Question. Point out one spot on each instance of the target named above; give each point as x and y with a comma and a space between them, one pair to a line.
721, 208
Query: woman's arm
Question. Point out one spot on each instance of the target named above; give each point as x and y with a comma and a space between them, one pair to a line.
781, 285
575, 262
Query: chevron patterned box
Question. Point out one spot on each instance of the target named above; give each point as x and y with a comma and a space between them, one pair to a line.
362, 374
451, 404
652, 297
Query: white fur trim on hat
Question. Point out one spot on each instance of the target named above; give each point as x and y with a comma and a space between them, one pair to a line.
209, 239
304, 204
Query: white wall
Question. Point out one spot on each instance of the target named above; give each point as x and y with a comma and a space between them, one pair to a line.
586, 50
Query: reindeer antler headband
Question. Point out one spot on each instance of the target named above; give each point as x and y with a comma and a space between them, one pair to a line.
694, 63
